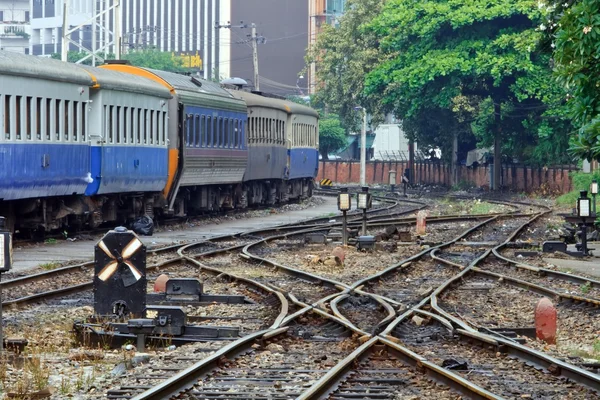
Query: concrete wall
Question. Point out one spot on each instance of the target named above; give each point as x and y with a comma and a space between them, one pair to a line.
284, 24
514, 177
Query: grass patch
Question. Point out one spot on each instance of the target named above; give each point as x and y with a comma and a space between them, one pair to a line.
586, 287
50, 266
482, 208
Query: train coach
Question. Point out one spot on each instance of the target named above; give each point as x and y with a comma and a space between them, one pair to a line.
81, 146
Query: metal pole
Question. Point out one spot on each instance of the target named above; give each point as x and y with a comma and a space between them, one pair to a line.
1, 321
594, 202
364, 223
344, 230
117, 33
65, 29
363, 150
584, 248
255, 58
141, 343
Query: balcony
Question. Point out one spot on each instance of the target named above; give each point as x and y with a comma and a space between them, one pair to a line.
14, 31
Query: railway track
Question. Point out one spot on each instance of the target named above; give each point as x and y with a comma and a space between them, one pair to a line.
363, 322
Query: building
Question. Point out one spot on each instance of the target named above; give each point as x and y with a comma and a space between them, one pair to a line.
179, 26
282, 24
15, 29
321, 12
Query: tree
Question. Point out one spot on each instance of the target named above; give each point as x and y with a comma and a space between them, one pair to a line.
155, 59
343, 56
332, 135
469, 68
576, 31
74, 56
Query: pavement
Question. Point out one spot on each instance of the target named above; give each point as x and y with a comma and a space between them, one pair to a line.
63, 251
589, 265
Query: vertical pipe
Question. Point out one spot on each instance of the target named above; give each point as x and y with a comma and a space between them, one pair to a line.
65, 29
344, 237
117, 32
363, 150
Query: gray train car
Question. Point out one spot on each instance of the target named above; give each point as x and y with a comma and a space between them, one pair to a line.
267, 159
208, 154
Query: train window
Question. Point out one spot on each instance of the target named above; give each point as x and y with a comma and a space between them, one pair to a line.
48, 111
84, 112
164, 127
75, 118
126, 125
111, 124
209, 132
27, 116
18, 109
152, 132
236, 134
7, 119
231, 134
226, 132
188, 133
198, 131
137, 125
157, 117
118, 124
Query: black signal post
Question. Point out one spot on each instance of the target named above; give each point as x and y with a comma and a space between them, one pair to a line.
344, 205
5, 265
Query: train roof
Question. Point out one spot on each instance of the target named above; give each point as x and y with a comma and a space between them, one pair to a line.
114, 80
185, 82
43, 68
255, 100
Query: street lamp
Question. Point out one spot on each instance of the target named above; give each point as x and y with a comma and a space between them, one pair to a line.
594, 190
344, 205
583, 211
5, 264
364, 202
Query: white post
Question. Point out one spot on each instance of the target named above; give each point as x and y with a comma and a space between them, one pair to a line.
117, 25
65, 30
363, 150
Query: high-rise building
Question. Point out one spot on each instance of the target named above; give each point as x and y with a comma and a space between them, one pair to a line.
283, 35
178, 26
15, 29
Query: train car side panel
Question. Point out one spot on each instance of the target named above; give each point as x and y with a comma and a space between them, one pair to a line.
43, 138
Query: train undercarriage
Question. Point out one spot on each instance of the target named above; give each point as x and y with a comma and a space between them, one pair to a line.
34, 218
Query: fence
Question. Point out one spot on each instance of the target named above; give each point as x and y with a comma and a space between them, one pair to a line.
514, 177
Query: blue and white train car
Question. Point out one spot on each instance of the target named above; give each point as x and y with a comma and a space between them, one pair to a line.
43, 131
303, 148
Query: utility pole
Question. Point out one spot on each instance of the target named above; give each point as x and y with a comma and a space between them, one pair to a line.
255, 58
363, 150
254, 39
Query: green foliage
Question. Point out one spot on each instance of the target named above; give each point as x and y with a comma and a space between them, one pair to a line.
470, 68
332, 135
155, 59
581, 181
577, 33
585, 288
344, 56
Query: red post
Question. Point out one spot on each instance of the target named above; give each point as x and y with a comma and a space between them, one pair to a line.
160, 286
545, 321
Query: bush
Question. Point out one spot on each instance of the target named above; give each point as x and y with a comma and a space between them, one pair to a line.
581, 181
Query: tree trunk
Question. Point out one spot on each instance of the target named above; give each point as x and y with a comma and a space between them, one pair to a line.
497, 148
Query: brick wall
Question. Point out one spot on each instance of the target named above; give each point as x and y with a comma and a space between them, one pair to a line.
514, 177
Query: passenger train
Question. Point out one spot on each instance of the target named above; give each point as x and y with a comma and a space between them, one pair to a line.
81, 146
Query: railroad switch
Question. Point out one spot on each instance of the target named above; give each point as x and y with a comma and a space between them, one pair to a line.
189, 291
121, 300
365, 243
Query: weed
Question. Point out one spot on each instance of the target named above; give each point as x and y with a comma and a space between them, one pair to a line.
65, 386
462, 185
482, 208
586, 287
50, 266
50, 241
597, 346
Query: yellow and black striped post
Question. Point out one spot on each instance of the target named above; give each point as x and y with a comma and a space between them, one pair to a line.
326, 182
